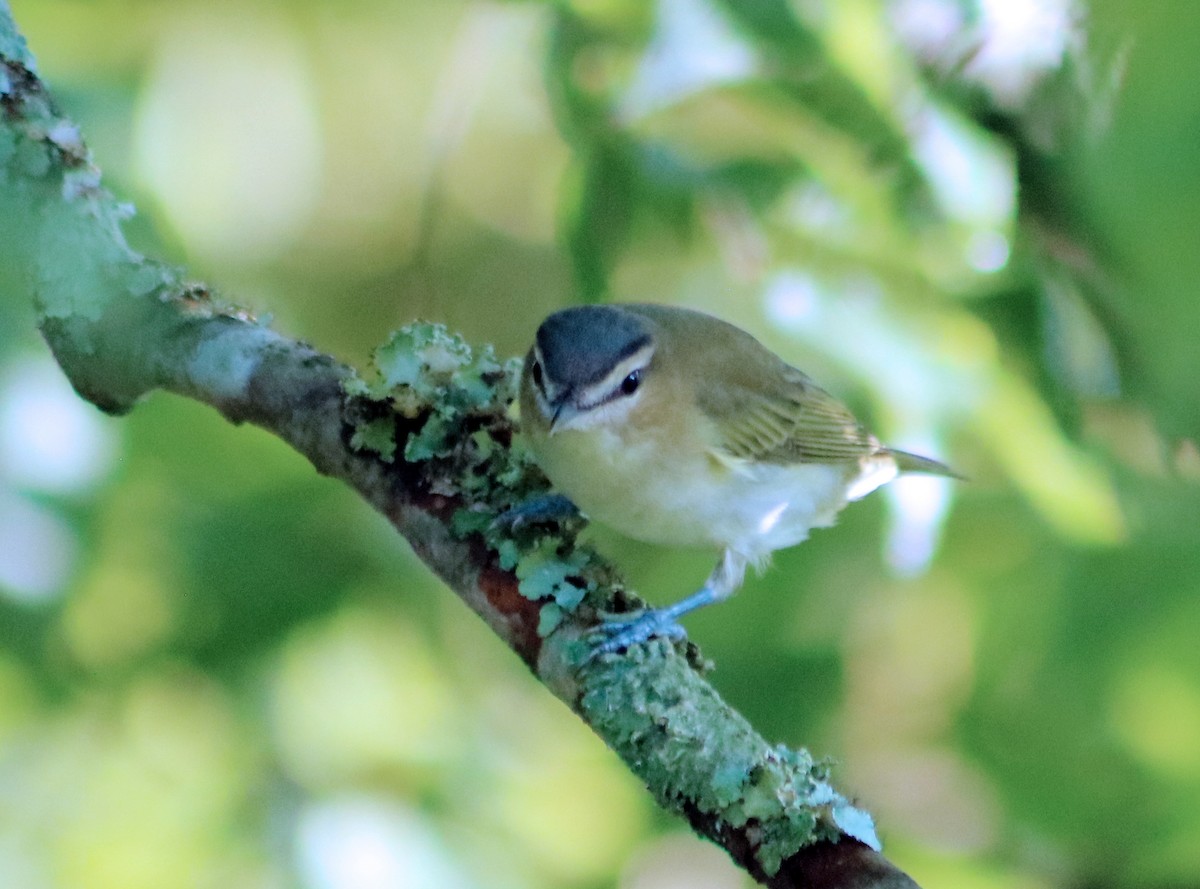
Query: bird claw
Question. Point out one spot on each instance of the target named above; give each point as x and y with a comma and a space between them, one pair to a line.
650, 624
537, 511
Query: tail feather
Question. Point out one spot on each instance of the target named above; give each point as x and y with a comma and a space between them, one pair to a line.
907, 462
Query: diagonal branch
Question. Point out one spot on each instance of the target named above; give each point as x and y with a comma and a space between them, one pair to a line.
431, 446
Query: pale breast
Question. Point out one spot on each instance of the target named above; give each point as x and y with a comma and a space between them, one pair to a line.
758, 509
687, 497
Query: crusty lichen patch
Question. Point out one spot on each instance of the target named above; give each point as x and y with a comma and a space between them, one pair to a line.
703, 759
438, 403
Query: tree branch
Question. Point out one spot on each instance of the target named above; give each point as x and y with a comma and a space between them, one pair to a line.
430, 445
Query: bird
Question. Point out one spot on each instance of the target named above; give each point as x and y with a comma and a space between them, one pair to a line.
677, 428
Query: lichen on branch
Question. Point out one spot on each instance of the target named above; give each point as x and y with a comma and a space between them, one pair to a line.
437, 402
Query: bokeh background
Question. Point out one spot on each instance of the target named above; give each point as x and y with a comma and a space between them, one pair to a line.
975, 220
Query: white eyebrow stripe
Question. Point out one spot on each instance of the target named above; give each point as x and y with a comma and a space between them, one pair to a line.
548, 388
598, 393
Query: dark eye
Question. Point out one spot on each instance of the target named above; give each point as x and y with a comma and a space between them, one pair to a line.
537, 375
630, 384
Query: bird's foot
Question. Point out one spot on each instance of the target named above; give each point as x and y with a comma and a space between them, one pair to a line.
654, 623
536, 511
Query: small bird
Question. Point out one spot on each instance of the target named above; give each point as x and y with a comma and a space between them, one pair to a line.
676, 428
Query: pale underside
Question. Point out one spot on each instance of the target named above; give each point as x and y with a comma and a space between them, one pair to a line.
701, 496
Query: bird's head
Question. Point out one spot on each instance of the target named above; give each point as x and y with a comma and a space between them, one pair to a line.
589, 366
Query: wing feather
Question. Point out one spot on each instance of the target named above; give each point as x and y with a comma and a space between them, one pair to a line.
763, 409
784, 417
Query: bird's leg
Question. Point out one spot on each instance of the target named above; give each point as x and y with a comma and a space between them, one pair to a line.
721, 584
538, 510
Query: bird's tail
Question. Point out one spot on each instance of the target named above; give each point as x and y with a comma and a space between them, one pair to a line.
907, 462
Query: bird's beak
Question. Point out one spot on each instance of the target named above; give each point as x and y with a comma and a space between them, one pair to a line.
563, 415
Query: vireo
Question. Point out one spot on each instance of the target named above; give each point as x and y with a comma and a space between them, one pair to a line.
676, 428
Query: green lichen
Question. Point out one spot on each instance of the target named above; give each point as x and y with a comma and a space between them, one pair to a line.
424, 362
149, 277
702, 757
61, 223
8, 148
33, 159
544, 573
550, 618
12, 44
857, 823
436, 439
423, 371
378, 435
453, 408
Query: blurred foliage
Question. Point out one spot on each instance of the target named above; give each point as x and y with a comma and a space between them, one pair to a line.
975, 219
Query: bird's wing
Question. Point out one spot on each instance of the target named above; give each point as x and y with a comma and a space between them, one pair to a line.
784, 417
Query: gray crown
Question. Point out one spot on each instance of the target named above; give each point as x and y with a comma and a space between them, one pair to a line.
580, 345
